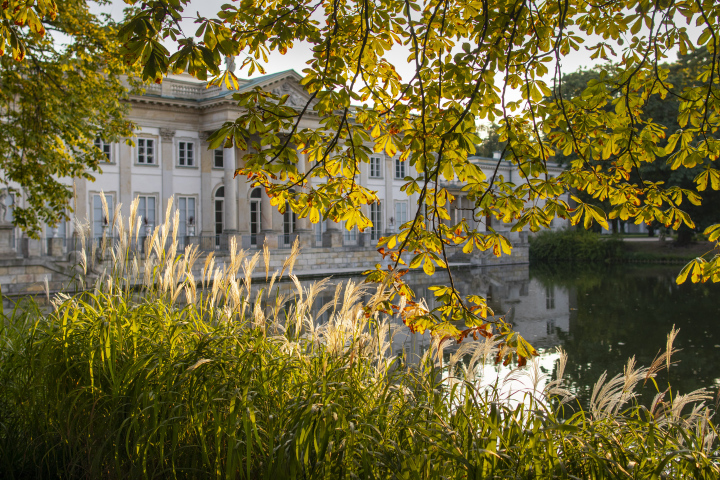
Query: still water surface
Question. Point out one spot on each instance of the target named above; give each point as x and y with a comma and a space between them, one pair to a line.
599, 316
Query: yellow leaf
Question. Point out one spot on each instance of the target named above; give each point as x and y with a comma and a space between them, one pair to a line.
314, 215
428, 267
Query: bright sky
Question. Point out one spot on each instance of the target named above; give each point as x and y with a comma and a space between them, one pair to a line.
297, 57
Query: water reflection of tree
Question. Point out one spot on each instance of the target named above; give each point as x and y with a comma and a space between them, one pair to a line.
623, 311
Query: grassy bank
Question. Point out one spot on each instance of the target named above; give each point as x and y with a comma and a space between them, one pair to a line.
582, 246
209, 378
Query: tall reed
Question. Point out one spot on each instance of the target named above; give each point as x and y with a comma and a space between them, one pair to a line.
166, 368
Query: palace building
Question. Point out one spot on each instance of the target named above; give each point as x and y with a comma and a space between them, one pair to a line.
171, 159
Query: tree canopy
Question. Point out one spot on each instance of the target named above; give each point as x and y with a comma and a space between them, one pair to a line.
62, 87
494, 60
682, 73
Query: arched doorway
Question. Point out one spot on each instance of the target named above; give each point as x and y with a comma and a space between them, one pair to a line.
255, 214
219, 214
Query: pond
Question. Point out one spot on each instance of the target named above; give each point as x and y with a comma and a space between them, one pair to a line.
601, 316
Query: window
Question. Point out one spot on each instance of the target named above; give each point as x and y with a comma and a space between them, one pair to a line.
349, 236
9, 217
10, 204
186, 156
103, 147
375, 167
550, 326
399, 169
146, 210
146, 151
288, 224
255, 215
219, 199
376, 219
218, 158
101, 222
186, 205
550, 297
320, 228
400, 213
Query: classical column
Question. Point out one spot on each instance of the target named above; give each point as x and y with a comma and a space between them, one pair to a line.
230, 204
80, 207
303, 227
268, 234
124, 162
166, 136
243, 202
389, 203
333, 236
207, 205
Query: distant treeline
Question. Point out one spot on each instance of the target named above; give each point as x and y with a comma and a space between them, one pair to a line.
582, 246
574, 246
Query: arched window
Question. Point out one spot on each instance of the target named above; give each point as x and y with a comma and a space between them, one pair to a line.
219, 214
255, 215
288, 224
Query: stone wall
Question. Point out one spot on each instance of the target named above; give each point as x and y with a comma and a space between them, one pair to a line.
20, 275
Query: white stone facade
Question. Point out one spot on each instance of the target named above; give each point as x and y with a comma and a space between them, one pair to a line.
171, 159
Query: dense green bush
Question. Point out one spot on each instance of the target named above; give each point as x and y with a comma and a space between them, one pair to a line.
236, 383
570, 245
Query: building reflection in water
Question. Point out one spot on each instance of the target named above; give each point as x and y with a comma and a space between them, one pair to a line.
538, 312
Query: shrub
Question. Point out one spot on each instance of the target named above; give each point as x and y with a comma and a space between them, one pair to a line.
227, 381
570, 245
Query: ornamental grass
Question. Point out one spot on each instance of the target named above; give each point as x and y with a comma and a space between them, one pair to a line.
165, 368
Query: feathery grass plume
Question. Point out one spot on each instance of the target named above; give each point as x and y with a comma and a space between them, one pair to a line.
236, 257
133, 220
207, 269
93, 254
234, 294
134, 271
461, 351
266, 258
116, 218
272, 282
138, 227
336, 297
216, 284
157, 244
555, 388
116, 384
669, 350
106, 213
248, 268
83, 261
290, 259
148, 269
681, 401
46, 284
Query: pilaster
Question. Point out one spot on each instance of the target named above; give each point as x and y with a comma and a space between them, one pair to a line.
389, 201
124, 162
207, 205
243, 202
230, 204
303, 227
167, 159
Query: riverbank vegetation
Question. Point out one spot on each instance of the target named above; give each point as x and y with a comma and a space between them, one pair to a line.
197, 373
571, 245
582, 246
